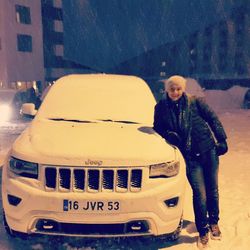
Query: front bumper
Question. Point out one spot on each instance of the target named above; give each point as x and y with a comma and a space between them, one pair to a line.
143, 213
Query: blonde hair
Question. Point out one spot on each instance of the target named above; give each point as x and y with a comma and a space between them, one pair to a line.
176, 79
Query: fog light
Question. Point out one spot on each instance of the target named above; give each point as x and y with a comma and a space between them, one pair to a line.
137, 227
47, 225
172, 202
13, 200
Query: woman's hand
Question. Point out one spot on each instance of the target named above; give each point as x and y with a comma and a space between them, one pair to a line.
174, 138
221, 148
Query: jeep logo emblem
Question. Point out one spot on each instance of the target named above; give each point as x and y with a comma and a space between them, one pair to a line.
93, 162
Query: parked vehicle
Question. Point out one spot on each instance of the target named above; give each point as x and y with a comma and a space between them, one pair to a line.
90, 164
11, 101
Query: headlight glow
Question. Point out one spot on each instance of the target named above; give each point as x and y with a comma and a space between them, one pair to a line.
166, 169
6, 112
23, 168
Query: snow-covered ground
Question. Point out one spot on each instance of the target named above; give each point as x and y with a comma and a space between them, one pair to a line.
234, 187
234, 184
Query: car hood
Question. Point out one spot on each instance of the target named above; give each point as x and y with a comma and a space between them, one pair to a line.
93, 143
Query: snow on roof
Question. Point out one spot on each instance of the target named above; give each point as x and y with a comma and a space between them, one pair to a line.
226, 99
194, 88
99, 96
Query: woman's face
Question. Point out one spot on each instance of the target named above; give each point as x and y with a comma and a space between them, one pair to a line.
175, 92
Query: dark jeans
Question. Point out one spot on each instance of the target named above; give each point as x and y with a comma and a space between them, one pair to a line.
202, 174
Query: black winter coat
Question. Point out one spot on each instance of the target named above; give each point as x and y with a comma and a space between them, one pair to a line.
195, 123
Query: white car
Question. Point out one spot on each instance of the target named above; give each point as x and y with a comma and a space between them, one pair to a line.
90, 164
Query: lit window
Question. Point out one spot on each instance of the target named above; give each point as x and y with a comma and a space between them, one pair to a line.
19, 84
23, 14
57, 3
24, 43
58, 26
163, 63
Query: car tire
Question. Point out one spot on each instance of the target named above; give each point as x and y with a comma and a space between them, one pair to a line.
11, 232
174, 235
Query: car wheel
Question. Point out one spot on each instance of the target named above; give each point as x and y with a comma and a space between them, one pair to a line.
6, 226
11, 232
176, 234
172, 236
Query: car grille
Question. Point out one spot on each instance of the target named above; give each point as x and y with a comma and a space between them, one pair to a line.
76, 179
45, 226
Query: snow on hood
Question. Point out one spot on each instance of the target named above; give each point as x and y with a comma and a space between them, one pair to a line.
73, 143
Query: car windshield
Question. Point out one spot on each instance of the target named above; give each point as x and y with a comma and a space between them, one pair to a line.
99, 99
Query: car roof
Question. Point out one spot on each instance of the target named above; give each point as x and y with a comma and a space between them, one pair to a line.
110, 79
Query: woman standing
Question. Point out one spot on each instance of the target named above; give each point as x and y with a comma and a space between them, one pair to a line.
190, 124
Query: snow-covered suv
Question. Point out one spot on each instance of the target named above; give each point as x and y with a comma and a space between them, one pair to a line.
90, 164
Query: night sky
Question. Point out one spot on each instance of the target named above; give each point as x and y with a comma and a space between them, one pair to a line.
101, 34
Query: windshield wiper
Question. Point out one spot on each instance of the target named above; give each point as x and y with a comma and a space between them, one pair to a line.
71, 120
92, 121
110, 120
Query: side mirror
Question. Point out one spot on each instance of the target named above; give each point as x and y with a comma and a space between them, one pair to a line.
28, 109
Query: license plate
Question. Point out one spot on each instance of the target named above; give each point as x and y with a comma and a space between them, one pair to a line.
91, 206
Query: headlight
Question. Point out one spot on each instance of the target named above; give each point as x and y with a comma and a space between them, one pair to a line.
23, 168
166, 169
5, 111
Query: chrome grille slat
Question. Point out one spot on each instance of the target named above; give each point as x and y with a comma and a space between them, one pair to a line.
79, 179
100, 180
136, 178
50, 177
93, 180
122, 179
108, 179
64, 178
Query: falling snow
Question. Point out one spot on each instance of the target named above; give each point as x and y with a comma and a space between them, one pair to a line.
234, 179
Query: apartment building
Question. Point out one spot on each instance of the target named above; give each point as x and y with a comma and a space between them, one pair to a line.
55, 63
32, 48
218, 55
21, 44
32, 44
